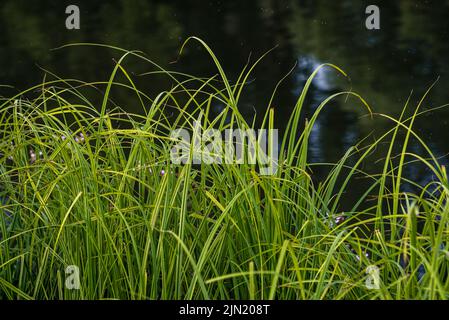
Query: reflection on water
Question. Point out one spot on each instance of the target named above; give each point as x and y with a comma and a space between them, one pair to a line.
408, 53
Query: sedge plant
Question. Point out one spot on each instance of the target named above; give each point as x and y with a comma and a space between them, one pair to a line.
86, 184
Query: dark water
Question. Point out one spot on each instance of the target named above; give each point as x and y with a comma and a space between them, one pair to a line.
407, 54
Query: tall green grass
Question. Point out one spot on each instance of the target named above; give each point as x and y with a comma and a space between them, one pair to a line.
103, 195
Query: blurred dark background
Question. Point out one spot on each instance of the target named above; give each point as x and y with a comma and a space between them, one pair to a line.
407, 54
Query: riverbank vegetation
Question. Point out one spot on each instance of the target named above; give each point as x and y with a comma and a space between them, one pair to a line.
87, 184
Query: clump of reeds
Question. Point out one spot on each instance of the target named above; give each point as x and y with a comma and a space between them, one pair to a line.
94, 187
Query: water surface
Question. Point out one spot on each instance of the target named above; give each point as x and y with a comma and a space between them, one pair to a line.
406, 55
